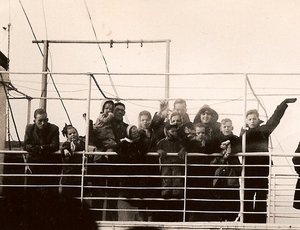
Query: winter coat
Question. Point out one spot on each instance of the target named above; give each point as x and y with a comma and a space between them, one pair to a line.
213, 127
257, 140
132, 153
41, 143
73, 159
171, 145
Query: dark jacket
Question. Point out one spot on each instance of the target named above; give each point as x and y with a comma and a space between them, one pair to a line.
132, 153
257, 140
41, 143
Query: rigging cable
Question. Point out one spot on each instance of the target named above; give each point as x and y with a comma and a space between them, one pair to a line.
263, 107
104, 59
47, 67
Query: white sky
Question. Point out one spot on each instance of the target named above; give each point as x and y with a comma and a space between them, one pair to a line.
207, 36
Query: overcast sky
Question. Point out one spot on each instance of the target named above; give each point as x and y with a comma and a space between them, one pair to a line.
234, 36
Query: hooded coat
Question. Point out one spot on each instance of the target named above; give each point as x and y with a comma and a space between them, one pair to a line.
213, 127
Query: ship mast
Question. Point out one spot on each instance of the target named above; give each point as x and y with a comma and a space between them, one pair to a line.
43, 100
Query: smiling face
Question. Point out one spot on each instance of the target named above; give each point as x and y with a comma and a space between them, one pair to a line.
226, 128
119, 112
205, 117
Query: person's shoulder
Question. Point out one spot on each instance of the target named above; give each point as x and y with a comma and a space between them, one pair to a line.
29, 127
52, 127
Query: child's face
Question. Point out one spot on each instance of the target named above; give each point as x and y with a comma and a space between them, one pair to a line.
134, 134
176, 120
200, 133
252, 120
145, 121
205, 117
107, 108
72, 134
226, 128
180, 108
173, 132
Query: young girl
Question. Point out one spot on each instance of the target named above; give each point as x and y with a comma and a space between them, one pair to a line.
72, 144
102, 127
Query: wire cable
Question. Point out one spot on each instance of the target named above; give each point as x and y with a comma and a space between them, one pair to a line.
104, 59
63, 105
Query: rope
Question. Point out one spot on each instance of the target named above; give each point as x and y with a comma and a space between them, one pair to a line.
104, 59
63, 105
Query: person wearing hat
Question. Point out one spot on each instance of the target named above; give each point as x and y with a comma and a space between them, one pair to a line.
132, 151
209, 118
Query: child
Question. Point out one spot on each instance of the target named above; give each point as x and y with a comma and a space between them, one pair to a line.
72, 144
161, 118
226, 176
171, 144
132, 150
102, 127
199, 176
256, 178
177, 119
181, 108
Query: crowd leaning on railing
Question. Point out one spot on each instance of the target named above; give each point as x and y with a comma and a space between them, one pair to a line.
157, 185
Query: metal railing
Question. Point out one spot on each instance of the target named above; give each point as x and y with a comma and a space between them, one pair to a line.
101, 185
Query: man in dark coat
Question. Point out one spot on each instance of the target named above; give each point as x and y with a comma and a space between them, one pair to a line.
119, 128
256, 178
41, 140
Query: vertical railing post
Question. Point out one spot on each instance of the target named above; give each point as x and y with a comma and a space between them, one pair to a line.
242, 193
185, 184
167, 70
87, 122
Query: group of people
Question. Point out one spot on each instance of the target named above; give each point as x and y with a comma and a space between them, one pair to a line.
157, 182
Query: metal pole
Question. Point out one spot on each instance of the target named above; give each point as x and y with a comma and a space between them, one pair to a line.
242, 202
167, 70
43, 102
87, 122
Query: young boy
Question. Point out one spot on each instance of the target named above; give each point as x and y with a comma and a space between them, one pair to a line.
256, 178
226, 176
199, 176
171, 144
